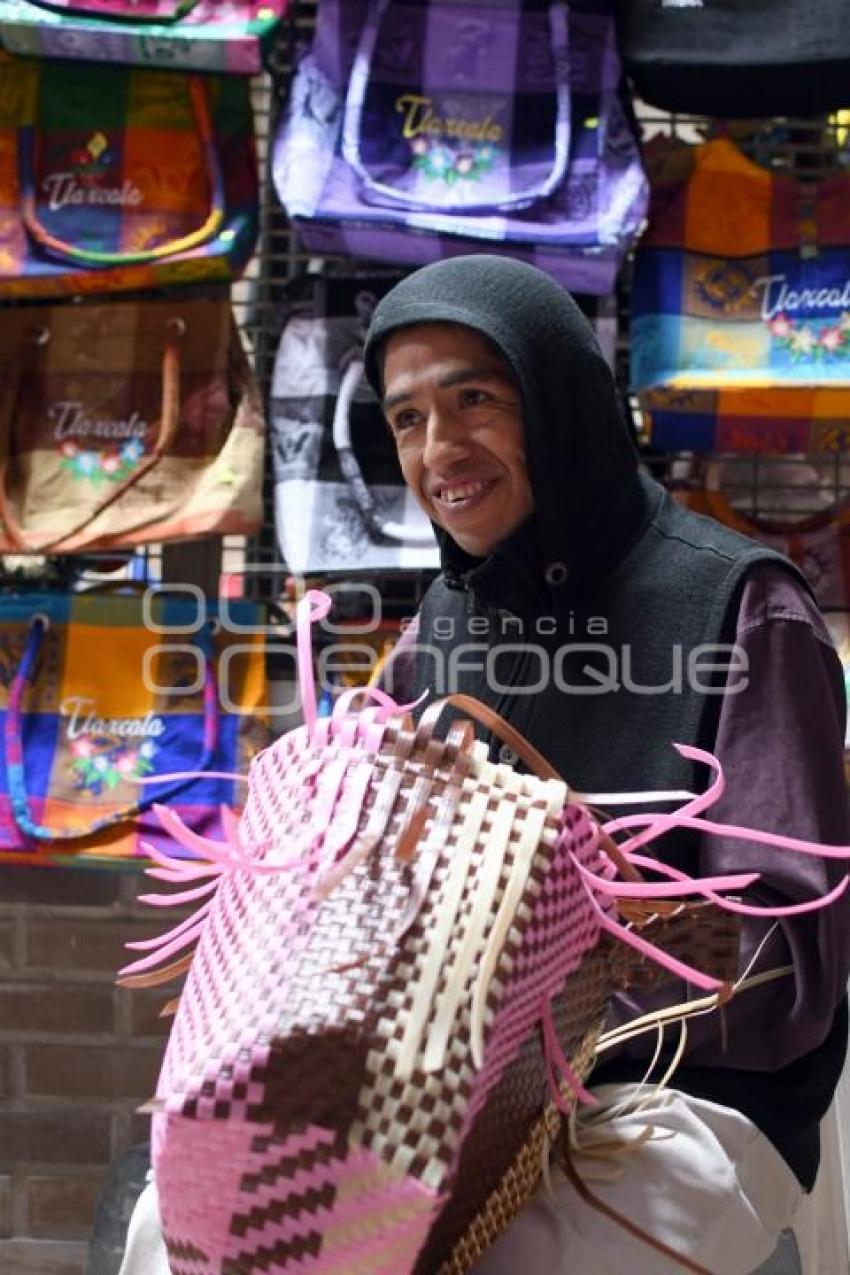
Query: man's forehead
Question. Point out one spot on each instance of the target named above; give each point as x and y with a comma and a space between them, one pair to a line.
425, 350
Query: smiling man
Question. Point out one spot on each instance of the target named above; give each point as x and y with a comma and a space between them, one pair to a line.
456, 416
510, 434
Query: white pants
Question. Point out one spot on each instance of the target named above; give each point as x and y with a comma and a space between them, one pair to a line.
707, 1183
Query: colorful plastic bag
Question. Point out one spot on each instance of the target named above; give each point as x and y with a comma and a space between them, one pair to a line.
190, 35
113, 178
740, 330
418, 129
126, 422
99, 692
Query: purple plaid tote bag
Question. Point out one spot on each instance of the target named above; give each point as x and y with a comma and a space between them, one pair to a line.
419, 129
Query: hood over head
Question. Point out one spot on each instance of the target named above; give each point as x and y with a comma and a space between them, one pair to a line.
590, 502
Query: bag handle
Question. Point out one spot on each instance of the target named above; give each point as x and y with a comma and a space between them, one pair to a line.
355, 103
534, 760
375, 521
169, 422
14, 752
118, 12
93, 257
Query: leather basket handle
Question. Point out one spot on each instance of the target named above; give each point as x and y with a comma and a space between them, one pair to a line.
534, 760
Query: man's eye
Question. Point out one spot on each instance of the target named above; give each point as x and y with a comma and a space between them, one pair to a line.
404, 420
472, 398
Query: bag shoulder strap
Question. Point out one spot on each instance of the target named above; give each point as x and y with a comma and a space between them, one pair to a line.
352, 124
132, 12
27, 146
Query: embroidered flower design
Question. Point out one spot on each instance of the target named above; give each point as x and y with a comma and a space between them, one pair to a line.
439, 162
813, 340
724, 286
98, 467
98, 770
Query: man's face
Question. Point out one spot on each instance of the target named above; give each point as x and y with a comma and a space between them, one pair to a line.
456, 417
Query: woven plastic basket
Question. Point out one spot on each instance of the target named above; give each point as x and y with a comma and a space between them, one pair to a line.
402, 964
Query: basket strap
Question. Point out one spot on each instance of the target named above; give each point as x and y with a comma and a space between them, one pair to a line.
119, 12
355, 101
14, 751
534, 760
27, 146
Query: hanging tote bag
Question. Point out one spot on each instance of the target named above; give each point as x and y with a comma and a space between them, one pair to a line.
740, 331
113, 178
191, 35
417, 129
98, 693
123, 423
340, 500
738, 57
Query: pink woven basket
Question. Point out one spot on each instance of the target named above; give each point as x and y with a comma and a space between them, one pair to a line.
401, 964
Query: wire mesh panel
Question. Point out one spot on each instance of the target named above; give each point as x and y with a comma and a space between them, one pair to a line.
793, 485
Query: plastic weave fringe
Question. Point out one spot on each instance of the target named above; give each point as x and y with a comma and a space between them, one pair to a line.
368, 779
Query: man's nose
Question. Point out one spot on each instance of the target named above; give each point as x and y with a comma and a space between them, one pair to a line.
446, 439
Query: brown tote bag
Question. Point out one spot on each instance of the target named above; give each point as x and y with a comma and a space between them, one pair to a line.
123, 423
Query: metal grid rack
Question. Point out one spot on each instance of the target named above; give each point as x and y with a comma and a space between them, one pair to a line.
785, 486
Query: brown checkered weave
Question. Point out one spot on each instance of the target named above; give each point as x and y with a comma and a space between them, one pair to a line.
400, 971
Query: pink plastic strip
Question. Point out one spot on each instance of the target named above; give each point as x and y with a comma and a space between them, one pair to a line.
150, 945
747, 909
556, 1060
687, 972
680, 885
314, 606
666, 823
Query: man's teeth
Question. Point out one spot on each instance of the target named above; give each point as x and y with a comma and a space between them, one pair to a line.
452, 494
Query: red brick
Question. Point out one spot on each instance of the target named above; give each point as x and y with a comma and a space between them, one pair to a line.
92, 1071
5, 1206
7, 946
55, 1135
5, 1073
43, 1257
86, 944
145, 1007
68, 887
56, 1007
139, 1129
62, 1207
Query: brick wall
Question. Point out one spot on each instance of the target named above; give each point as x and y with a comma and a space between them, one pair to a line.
77, 1055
